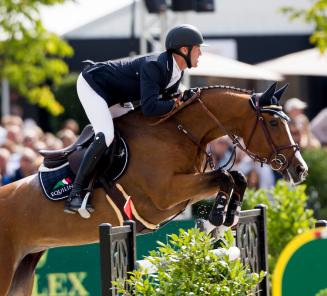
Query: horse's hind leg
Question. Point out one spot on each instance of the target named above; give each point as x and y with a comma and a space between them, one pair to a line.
235, 203
22, 283
7, 266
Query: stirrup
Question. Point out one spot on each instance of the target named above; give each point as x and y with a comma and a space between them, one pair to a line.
83, 211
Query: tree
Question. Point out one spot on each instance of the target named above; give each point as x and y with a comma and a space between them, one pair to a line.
316, 14
30, 56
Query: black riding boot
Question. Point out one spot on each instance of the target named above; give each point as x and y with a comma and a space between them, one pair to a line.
90, 160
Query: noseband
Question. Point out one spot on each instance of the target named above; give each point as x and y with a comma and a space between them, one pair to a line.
276, 160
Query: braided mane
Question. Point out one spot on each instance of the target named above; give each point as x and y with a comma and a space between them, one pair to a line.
241, 90
189, 102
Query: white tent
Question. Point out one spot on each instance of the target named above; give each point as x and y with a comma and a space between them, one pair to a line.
218, 66
308, 62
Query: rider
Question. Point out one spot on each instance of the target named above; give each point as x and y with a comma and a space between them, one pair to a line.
150, 79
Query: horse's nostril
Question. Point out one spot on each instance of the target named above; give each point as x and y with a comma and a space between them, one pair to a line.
301, 171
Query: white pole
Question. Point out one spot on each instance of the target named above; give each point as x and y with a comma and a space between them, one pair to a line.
163, 29
5, 98
143, 43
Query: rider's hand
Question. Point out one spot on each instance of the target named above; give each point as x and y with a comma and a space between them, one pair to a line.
178, 101
189, 94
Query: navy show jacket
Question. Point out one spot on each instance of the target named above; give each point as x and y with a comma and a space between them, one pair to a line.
141, 78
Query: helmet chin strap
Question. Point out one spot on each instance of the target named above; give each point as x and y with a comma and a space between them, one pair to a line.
187, 57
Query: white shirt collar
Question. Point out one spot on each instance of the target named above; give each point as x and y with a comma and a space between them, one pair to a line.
176, 74
176, 67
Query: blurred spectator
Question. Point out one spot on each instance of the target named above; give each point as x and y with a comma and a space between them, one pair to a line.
9, 120
72, 125
295, 107
14, 134
300, 124
221, 149
3, 135
30, 138
319, 126
52, 142
302, 135
20, 142
307, 139
67, 137
295, 132
253, 179
264, 174
27, 166
4, 159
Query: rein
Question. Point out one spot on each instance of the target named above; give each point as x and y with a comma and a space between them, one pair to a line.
277, 160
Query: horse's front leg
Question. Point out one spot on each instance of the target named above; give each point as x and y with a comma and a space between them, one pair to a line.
193, 187
235, 203
218, 212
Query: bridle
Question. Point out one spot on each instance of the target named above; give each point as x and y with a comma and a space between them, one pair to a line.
276, 160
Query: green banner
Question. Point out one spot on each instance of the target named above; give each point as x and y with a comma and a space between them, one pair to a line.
301, 268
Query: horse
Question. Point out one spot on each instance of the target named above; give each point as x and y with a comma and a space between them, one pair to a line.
163, 176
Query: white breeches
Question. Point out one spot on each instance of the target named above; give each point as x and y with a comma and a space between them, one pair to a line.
97, 111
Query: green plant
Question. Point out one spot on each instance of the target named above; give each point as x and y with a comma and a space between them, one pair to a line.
322, 293
287, 215
317, 180
186, 266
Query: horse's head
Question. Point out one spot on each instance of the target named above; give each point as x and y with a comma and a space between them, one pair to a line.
268, 139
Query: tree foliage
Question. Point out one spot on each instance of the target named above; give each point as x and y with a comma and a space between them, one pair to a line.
316, 14
317, 180
30, 56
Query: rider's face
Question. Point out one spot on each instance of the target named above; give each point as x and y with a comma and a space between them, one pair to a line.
195, 54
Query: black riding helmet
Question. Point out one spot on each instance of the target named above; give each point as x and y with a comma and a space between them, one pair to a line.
183, 35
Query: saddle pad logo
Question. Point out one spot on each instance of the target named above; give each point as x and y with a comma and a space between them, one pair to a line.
58, 183
61, 187
62, 183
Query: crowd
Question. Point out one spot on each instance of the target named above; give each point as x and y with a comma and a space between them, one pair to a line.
21, 140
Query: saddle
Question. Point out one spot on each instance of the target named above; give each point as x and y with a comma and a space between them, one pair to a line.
57, 173
72, 153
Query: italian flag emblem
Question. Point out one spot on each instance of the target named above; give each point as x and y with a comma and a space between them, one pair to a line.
63, 182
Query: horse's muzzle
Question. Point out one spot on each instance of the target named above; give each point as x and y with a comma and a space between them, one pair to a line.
296, 174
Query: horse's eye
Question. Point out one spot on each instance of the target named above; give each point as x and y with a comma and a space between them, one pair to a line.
273, 122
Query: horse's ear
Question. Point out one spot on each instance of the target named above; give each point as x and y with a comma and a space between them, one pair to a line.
265, 98
278, 94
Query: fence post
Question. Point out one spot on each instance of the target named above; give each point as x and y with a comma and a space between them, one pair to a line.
131, 245
263, 248
106, 263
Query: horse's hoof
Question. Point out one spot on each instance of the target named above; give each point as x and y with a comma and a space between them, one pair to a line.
233, 213
218, 212
217, 220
